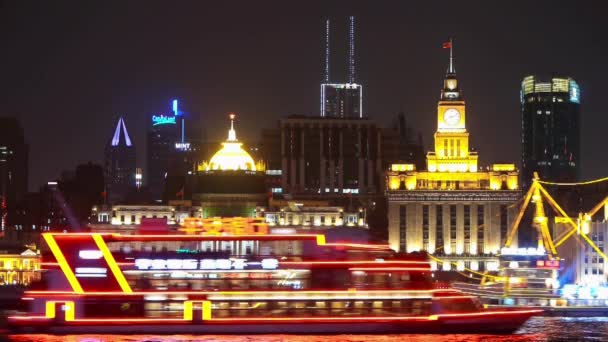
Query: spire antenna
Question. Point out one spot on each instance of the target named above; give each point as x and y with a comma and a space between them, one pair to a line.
451, 70
351, 49
232, 132
327, 51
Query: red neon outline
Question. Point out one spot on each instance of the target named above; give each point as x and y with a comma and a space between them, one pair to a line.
202, 293
358, 245
110, 237
372, 263
382, 269
487, 313
239, 320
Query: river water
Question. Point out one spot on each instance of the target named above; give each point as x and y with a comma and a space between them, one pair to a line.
536, 329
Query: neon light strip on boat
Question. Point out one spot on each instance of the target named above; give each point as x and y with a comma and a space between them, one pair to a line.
202, 293
63, 263
384, 269
120, 277
240, 320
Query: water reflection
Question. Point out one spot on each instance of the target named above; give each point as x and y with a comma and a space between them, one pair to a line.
536, 329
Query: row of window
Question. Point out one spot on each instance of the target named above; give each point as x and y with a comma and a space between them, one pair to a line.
453, 219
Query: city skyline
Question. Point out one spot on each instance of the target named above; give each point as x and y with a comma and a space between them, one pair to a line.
193, 55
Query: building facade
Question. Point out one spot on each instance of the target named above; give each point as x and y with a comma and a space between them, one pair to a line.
453, 208
550, 129
341, 100
13, 169
310, 215
131, 216
164, 133
119, 164
330, 155
20, 268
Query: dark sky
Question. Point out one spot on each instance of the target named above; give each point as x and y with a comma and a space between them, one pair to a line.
68, 68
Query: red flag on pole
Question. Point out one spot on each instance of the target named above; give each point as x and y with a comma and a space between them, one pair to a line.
447, 45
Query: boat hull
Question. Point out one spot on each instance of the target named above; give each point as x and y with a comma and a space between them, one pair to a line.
484, 324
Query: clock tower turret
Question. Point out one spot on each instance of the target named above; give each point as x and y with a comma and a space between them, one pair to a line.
451, 139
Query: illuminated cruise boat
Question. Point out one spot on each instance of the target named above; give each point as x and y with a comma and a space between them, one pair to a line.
243, 281
526, 277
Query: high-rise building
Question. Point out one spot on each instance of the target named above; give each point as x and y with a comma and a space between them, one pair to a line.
341, 100
453, 208
330, 156
164, 133
13, 168
550, 111
119, 164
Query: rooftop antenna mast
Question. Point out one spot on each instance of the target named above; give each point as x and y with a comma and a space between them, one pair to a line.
327, 51
351, 49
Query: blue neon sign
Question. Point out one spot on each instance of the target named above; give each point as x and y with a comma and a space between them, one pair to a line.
175, 111
162, 120
575, 93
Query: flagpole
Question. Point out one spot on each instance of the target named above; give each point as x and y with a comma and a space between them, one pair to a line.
451, 56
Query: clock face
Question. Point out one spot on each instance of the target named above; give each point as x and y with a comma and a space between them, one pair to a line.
451, 117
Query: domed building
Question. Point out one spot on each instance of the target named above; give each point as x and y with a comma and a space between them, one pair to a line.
231, 183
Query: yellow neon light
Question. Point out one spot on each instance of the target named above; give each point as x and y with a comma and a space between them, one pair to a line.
101, 244
69, 311
599, 251
541, 220
503, 167
68, 308
188, 310
520, 215
206, 308
320, 240
598, 207
569, 220
578, 183
49, 309
403, 167
63, 263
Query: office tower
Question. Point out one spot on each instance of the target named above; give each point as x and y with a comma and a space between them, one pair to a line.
13, 168
164, 134
119, 164
341, 100
550, 112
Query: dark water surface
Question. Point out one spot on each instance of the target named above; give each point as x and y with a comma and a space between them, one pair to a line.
536, 329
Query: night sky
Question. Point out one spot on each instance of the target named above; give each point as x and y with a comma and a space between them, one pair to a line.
67, 69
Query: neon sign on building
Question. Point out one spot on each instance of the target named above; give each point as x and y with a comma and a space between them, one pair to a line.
162, 120
203, 264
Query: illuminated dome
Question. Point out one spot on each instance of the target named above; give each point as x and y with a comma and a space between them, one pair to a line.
231, 156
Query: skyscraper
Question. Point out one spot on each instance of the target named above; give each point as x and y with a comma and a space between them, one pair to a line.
13, 168
550, 111
341, 100
119, 165
162, 137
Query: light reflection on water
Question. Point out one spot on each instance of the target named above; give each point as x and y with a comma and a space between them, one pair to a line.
536, 329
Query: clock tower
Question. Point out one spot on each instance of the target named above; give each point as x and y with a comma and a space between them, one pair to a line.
451, 138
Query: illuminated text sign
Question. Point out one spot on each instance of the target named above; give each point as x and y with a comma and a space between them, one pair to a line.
204, 264
162, 120
182, 146
522, 251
